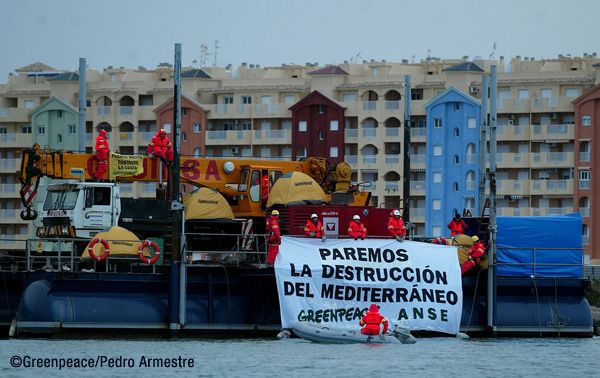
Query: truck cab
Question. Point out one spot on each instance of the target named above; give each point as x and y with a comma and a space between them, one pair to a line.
79, 209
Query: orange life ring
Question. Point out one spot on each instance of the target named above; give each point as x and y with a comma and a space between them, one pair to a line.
91, 249
145, 244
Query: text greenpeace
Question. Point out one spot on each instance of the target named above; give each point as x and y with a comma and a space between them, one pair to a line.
417, 285
125, 165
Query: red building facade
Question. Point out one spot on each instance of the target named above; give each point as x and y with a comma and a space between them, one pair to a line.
318, 128
587, 158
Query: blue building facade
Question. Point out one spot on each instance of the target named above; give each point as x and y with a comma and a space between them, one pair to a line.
452, 163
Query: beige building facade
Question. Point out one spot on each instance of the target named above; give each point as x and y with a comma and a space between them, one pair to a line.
248, 114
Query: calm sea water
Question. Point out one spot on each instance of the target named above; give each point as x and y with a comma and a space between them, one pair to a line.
430, 357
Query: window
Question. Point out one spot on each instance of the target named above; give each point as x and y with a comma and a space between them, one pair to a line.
59, 138
197, 152
437, 123
455, 186
72, 130
456, 106
349, 97
289, 99
437, 177
60, 114
321, 135
184, 136
437, 150
26, 129
456, 159
584, 175
333, 125
436, 204
29, 104
572, 92
321, 109
167, 127
437, 230
456, 132
88, 103
333, 152
197, 128
41, 130
375, 71
246, 99
184, 111
3, 130
471, 123
302, 126
227, 99
586, 120
246, 125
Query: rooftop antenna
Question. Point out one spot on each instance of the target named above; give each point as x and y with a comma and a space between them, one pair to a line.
428, 53
355, 58
216, 48
493, 52
203, 54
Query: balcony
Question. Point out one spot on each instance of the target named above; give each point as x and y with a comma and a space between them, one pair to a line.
392, 160
370, 132
553, 132
269, 109
512, 132
221, 108
351, 159
585, 239
417, 215
417, 162
126, 111
392, 187
369, 159
584, 211
513, 211
272, 136
351, 135
392, 105
553, 104
144, 137
14, 115
584, 184
418, 134
470, 185
11, 216
9, 190
417, 188
471, 158
512, 160
103, 111
553, 159
125, 138
392, 131
10, 165
547, 187
543, 211
369, 106
513, 187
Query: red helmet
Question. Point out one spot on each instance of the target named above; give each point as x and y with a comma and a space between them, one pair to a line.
102, 133
373, 308
162, 133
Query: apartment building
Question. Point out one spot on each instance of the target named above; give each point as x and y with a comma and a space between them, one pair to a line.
350, 112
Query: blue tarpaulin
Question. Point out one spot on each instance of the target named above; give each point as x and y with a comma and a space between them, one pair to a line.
547, 246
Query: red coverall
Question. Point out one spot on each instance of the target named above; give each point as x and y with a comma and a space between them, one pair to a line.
457, 226
371, 322
101, 154
274, 239
312, 227
396, 227
475, 254
160, 146
264, 189
357, 230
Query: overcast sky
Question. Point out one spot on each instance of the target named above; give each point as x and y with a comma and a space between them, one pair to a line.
135, 33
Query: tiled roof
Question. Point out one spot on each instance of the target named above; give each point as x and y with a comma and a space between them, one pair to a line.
329, 70
36, 67
197, 73
67, 76
466, 66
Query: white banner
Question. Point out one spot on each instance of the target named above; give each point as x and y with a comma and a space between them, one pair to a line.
417, 285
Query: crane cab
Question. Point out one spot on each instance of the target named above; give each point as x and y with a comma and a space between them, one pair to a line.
255, 183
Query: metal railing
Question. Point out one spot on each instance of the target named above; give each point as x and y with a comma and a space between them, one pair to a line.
392, 131
126, 110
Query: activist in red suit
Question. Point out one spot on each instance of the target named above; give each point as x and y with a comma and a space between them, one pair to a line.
274, 237
356, 229
457, 225
101, 154
160, 146
371, 322
475, 254
396, 226
314, 228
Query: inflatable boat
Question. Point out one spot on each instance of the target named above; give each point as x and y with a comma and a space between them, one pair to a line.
327, 335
